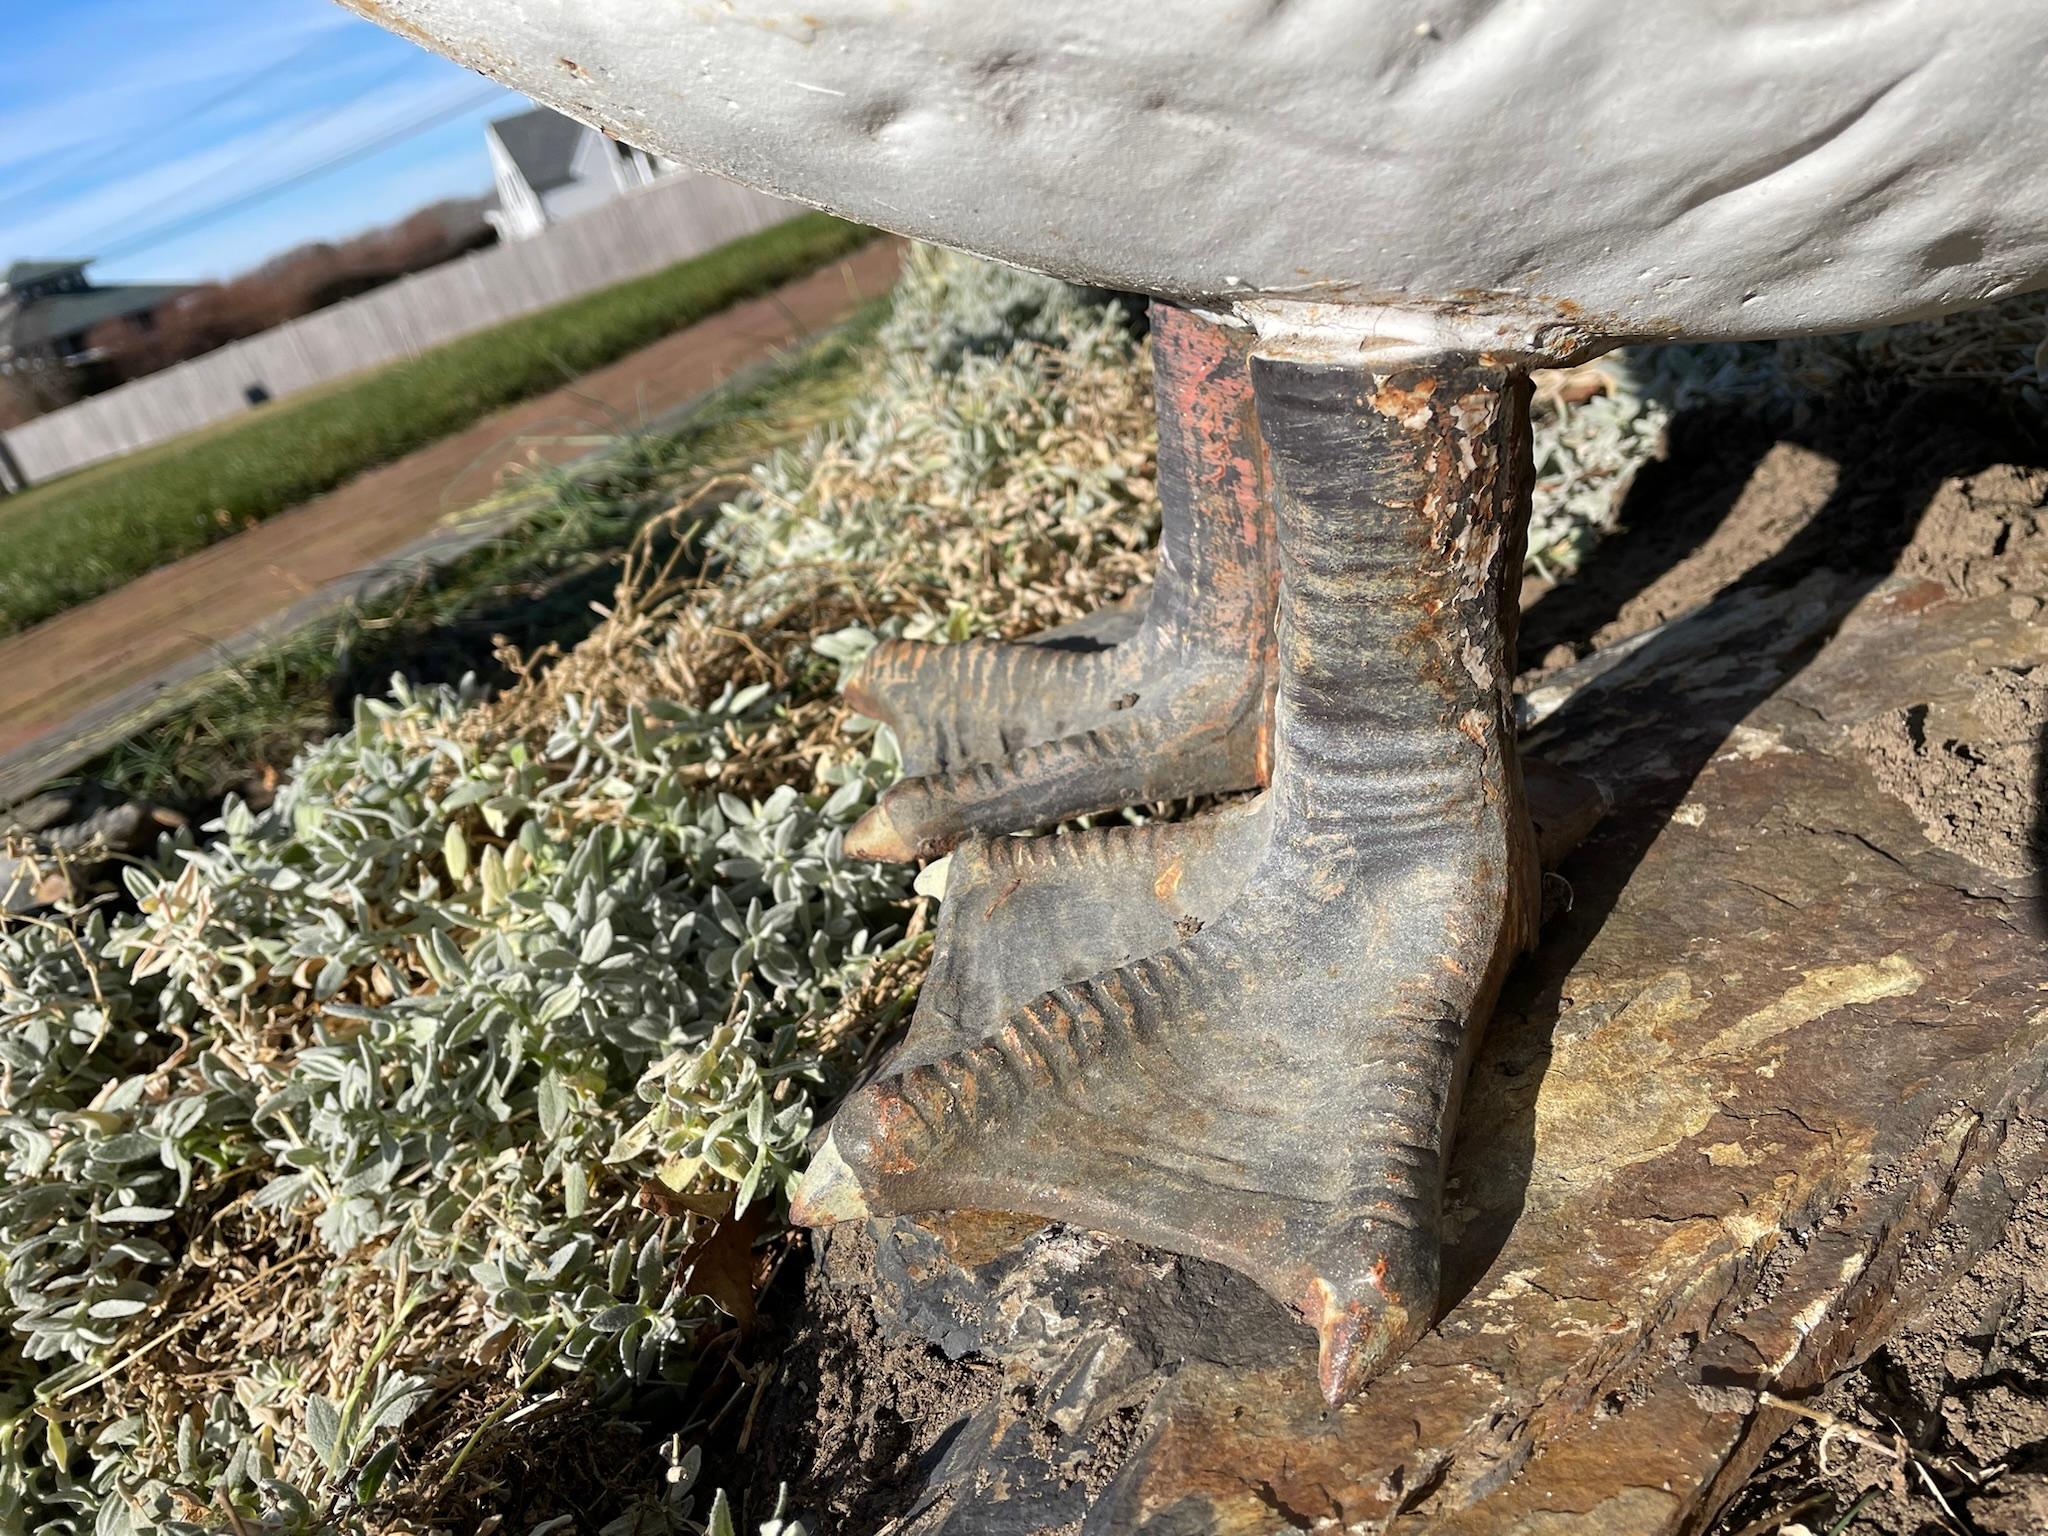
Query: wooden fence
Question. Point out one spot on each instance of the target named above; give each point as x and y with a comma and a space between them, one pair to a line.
643, 231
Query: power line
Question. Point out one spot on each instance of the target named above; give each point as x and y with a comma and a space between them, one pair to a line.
204, 216
262, 150
186, 115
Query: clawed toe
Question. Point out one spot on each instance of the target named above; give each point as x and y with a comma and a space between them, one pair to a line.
1148, 755
1186, 1101
952, 706
1022, 916
1162, 697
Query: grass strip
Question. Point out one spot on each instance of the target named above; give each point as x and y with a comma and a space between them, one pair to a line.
536, 585
84, 535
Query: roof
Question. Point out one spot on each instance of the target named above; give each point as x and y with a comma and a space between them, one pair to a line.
68, 314
542, 145
28, 271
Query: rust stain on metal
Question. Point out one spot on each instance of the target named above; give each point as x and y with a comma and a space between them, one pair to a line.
1169, 881
996, 902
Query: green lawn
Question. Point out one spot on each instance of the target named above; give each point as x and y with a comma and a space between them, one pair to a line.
537, 585
76, 538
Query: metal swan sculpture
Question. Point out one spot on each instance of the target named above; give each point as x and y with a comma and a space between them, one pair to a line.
1245, 1037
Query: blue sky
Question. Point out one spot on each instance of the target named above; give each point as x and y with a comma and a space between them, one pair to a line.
119, 117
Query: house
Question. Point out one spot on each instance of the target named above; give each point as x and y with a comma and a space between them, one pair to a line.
48, 310
550, 167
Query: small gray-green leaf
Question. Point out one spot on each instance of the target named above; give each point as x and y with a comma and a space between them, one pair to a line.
136, 1213
323, 1428
553, 1100
455, 850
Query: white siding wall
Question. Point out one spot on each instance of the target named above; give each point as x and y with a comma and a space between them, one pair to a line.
518, 215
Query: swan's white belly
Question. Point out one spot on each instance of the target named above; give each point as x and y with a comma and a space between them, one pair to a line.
1579, 169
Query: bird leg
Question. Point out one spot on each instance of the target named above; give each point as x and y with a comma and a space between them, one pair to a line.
1276, 1088
1023, 915
1156, 699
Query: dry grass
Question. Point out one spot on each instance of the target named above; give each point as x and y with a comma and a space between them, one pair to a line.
1015, 491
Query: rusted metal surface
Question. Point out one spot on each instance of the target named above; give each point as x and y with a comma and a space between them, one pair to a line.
1165, 699
1245, 1039
1778, 1042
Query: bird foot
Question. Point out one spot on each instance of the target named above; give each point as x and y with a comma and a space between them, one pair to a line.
1157, 698
1264, 1066
1055, 1033
1271, 1087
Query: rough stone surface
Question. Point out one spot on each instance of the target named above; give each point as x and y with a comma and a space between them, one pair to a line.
1780, 1039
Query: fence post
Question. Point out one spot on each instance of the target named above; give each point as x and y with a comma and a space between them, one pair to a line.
11, 477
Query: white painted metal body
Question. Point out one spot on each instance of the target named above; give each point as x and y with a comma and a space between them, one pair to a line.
1542, 176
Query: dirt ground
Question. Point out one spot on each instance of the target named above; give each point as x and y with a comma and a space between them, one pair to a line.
52, 672
1938, 484
1944, 1429
854, 1411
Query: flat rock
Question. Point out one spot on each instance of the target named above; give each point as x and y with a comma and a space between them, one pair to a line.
1786, 1030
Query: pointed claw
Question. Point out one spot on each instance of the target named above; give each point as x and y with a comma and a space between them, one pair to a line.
830, 1191
1356, 1339
1138, 759
1564, 806
883, 683
876, 836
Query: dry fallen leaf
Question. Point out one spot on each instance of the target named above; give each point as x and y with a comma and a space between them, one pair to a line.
721, 1265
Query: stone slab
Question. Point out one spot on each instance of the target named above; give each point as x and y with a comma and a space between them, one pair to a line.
1781, 1037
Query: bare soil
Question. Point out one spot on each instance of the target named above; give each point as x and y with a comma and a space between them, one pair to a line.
53, 672
1944, 1429
853, 1413
1977, 794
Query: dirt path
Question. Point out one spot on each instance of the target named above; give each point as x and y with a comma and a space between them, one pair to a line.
61, 668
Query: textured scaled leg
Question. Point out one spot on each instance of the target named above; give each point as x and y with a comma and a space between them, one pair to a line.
1277, 1090
1024, 915
1151, 700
